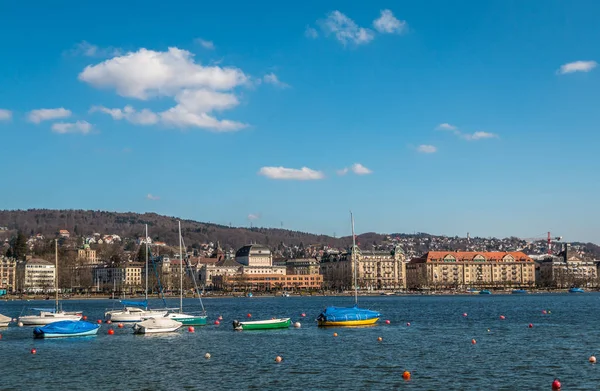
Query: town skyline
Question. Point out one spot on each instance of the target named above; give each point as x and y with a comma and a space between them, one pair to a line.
447, 118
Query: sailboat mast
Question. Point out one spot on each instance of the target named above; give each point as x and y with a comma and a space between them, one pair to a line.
146, 241
56, 271
180, 272
354, 259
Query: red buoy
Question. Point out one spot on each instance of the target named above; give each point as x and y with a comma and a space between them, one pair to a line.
249, 315
191, 329
217, 323
99, 321
406, 375
465, 314
120, 325
530, 325
387, 321
502, 317
544, 312
84, 317
473, 341
111, 331
109, 321
33, 351
408, 323
303, 315
556, 384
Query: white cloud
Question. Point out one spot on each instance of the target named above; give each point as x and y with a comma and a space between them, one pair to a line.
423, 148
143, 117
5, 115
197, 90
345, 29
359, 169
152, 197
446, 126
148, 73
179, 117
302, 174
272, 78
205, 44
82, 127
343, 171
85, 48
478, 136
253, 216
310, 32
387, 23
577, 66
37, 116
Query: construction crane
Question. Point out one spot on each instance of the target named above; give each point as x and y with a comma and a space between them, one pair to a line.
549, 240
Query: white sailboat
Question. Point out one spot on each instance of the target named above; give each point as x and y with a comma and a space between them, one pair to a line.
132, 311
50, 315
156, 325
180, 316
4, 320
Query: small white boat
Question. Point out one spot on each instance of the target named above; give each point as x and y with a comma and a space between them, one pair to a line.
4, 320
45, 317
156, 325
133, 314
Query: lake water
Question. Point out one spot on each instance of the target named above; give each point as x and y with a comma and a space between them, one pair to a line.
436, 348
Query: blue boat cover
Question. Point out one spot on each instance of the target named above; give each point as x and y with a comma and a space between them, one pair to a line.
340, 314
66, 327
135, 303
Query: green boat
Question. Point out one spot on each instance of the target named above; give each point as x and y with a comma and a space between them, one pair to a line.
187, 319
282, 323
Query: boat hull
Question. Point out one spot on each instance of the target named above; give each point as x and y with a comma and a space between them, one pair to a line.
4, 320
271, 324
188, 320
156, 326
67, 328
53, 335
47, 318
365, 322
132, 315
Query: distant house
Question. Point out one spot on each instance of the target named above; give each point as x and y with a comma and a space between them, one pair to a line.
160, 244
64, 233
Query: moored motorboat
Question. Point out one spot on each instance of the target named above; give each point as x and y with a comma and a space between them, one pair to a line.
156, 325
4, 320
576, 290
485, 292
66, 328
133, 314
281, 323
47, 316
344, 316
519, 292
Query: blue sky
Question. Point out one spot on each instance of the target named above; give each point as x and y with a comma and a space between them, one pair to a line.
431, 116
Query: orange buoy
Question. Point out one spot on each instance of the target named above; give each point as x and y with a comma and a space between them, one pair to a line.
556, 384
120, 325
217, 323
502, 317
111, 331
408, 323
592, 359
530, 325
473, 341
278, 359
33, 351
99, 321
84, 317
191, 329
406, 375
379, 339
249, 315
335, 334
387, 321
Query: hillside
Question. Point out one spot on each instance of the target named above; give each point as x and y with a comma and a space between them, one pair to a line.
161, 228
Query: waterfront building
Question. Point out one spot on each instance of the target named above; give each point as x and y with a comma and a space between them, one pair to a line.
268, 282
460, 269
36, 275
377, 269
123, 278
566, 270
8, 274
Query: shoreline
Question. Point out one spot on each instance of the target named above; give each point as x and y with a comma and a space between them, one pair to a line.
259, 294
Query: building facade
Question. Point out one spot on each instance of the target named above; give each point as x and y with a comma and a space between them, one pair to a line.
8, 274
124, 278
454, 270
36, 275
376, 270
87, 256
567, 270
254, 255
